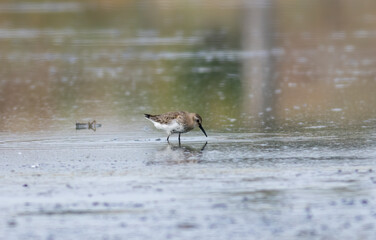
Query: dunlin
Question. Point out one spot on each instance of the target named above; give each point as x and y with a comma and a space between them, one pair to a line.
176, 122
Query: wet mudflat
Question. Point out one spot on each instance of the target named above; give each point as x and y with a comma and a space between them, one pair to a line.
235, 186
286, 90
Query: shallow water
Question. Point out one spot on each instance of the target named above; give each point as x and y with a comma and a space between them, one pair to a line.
285, 89
237, 186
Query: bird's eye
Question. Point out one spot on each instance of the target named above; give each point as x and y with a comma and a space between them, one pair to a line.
197, 120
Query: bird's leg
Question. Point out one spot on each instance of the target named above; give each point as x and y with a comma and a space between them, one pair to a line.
203, 147
168, 137
179, 138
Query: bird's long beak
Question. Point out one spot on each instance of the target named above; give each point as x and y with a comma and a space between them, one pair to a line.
202, 129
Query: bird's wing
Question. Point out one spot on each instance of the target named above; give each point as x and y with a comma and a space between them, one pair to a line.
167, 117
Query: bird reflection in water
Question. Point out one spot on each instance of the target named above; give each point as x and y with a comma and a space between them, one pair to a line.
178, 154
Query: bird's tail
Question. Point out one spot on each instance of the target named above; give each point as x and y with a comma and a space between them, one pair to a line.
147, 115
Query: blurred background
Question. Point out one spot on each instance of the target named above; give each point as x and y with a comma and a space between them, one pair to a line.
244, 66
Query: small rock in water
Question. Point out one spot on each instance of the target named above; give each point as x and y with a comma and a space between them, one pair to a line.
333, 203
138, 205
219, 205
12, 223
186, 225
158, 139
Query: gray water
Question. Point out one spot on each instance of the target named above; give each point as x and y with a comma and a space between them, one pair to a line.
287, 95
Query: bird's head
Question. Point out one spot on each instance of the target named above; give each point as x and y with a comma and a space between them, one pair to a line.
198, 122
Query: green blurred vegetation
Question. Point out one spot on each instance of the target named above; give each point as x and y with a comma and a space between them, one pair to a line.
114, 60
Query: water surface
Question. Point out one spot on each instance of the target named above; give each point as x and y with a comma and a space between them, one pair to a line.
285, 89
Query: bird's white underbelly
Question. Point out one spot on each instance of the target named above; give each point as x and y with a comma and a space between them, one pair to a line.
173, 127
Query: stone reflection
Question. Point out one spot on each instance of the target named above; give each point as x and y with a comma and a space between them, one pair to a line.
89, 125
